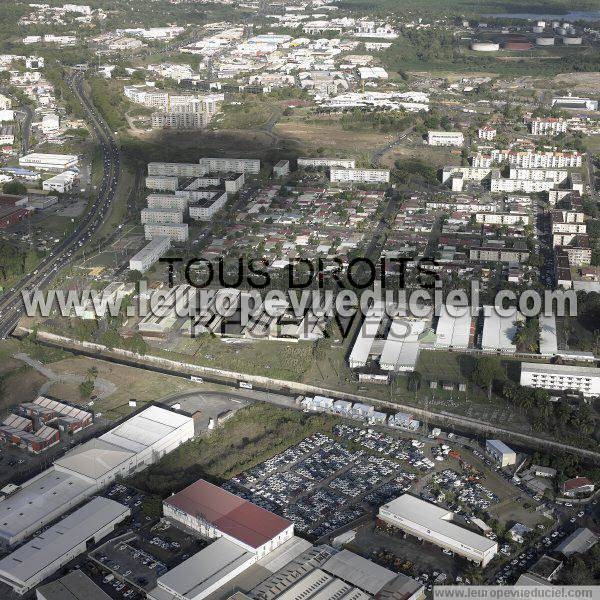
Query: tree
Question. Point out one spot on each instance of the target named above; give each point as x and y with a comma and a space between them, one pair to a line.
86, 387
14, 187
413, 382
486, 370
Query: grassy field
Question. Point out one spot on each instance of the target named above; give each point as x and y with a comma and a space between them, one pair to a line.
250, 437
279, 360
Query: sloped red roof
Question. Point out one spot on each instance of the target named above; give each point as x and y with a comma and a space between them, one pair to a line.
230, 514
572, 484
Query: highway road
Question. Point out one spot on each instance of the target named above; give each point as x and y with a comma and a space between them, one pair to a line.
11, 303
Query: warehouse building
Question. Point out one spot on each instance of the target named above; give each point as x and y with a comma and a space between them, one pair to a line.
61, 183
499, 331
149, 254
76, 585
204, 572
501, 453
214, 512
131, 446
47, 553
548, 336
561, 378
49, 162
454, 327
579, 542
434, 524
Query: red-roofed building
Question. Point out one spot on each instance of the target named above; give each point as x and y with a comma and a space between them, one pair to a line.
576, 486
214, 512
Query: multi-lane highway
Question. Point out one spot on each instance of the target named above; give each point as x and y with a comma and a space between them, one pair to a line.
11, 303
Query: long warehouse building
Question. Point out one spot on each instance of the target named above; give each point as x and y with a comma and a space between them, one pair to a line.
45, 554
434, 524
131, 446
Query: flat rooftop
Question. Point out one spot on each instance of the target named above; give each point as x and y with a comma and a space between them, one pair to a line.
76, 585
555, 369
34, 502
234, 516
42, 551
195, 576
436, 519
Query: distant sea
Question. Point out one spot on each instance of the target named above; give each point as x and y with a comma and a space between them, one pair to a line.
591, 15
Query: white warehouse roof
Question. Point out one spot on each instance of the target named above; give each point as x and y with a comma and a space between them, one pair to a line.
499, 331
438, 520
453, 331
25, 563
548, 341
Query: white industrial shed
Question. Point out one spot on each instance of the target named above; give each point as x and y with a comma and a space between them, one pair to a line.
204, 572
140, 441
453, 331
401, 349
33, 562
366, 335
499, 331
548, 340
434, 524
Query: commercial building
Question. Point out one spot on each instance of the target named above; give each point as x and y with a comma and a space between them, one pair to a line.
204, 572
434, 524
131, 446
561, 378
61, 183
149, 254
214, 512
454, 328
359, 175
579, 542
499, 331
501, 453
575, 103
445, 138
45, 554
49, 162
176, 232
76, 585
327, 163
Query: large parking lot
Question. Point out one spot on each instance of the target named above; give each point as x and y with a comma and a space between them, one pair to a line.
326, 483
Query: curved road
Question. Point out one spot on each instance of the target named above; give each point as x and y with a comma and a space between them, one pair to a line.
11, 303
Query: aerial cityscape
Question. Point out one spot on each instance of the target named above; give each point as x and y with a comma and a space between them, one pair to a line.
299, 300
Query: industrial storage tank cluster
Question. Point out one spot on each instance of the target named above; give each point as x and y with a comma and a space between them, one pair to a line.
485, 47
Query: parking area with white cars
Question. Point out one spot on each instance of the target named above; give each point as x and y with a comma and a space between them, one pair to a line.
326, 482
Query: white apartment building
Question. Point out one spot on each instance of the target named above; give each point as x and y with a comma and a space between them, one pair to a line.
206, 209
445, 138
48, 162
486, 133
548, 126
160, 169
170, 201
235, 165
176, 232
512, 218
434, 524
359, 175
528, 160
149, 254
556, 175
155, 216
155, 182
328, 163
527, 186
5, 102
50, 123
561, 378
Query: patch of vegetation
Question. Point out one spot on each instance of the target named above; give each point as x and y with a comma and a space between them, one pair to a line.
253, 435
